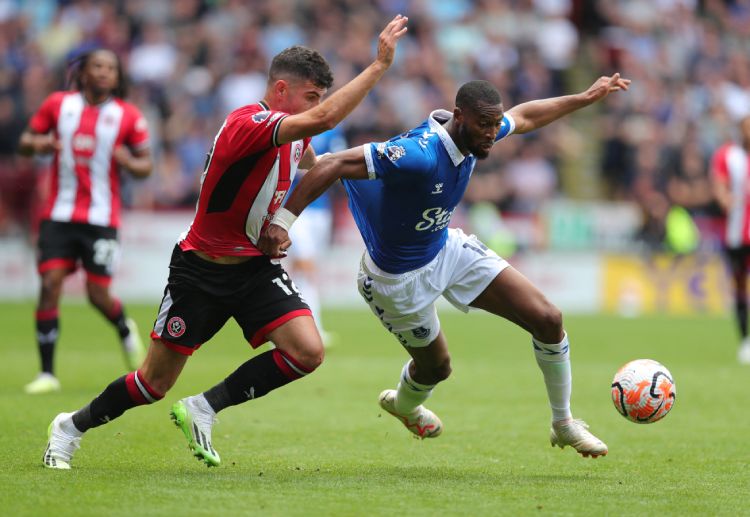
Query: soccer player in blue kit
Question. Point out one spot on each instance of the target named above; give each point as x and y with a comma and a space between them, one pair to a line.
402, 194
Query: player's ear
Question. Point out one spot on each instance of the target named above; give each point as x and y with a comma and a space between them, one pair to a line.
458, 115
280, 88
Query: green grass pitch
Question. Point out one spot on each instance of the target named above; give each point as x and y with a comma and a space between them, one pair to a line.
322, 446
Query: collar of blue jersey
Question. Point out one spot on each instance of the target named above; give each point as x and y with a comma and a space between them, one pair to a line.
437, 127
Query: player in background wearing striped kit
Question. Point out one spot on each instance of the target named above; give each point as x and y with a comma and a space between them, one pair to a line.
92, 133
730, 175
217, 272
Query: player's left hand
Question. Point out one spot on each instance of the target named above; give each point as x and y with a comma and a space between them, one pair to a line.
122, 156
274, 241
606, 85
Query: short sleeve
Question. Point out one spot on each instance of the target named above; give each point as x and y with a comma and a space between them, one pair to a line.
138, 137
398, 160
45, 119
719, 167
253, 131
507, 126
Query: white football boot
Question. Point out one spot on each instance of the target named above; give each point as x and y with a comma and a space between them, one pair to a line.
576, 434
195, 418
422, 422
743, 353
132, 347
64, 440
44, 383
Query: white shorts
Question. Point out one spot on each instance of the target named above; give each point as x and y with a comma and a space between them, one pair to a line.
405, 303
310, 234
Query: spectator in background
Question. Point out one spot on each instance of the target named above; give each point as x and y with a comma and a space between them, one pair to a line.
689, 61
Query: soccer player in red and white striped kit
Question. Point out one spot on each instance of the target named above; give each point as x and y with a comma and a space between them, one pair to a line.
92, 134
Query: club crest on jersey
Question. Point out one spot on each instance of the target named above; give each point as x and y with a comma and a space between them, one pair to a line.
260, 116
421, 332
392, 152
176, 326
297, 152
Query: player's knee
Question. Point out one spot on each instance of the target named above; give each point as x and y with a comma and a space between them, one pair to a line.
50, 287
96, 295
311, 356
548, 325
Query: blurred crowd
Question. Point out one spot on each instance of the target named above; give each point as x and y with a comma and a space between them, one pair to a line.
190, 62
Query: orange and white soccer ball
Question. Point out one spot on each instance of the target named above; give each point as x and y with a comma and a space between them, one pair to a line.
643, 391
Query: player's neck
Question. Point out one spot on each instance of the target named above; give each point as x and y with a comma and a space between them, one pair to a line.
264, 101
452, 130
96, 98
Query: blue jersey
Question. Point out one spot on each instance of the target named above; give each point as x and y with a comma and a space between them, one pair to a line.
416, 181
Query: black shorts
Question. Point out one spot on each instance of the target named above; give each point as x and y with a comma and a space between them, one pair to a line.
201, 296
737, 259
65, 245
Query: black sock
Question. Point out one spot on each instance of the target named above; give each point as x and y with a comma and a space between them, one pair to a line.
740, 310
251, 380
47, 330
118, 319
122, 394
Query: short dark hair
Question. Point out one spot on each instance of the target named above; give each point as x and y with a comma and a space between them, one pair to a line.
77, 65
303, 63
473, 93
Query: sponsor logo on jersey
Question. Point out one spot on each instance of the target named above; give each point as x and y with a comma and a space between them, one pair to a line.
434, 219
438, 189
260, 116
83, 143
176, 326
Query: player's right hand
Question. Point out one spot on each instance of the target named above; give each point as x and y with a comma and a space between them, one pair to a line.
389, 37
44, 144
274, 241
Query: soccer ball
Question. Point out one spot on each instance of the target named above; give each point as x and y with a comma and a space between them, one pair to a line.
643, 391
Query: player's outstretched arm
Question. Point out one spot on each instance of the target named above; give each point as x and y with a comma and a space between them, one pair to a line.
329, 168
334, 109
535, 114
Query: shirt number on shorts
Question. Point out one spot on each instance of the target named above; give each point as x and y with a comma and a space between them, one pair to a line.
286, 285
105, 251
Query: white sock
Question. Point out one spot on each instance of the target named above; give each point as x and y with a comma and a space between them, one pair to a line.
410, 394
554, 361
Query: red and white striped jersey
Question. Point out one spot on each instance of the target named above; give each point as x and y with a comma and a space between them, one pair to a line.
731, 166
246, 178
85, 178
